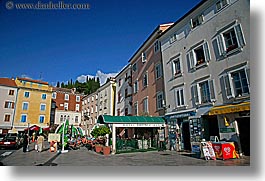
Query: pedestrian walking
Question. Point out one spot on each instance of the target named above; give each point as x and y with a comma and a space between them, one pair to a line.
40, 143
25, 142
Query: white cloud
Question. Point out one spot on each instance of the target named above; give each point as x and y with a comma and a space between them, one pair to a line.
25, 76
101, 75
82, 78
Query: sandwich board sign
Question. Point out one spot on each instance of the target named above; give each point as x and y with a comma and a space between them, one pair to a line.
208, 151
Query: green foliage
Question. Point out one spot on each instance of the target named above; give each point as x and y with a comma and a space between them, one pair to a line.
88, 87
100, 131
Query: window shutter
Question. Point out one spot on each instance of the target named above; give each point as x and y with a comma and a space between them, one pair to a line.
194, 92
220, 45
176, 97
206, 51
13, 105
201, 17
190, 58
227, 85
191, 25
212, 90
247, 71
173, 69
240, 36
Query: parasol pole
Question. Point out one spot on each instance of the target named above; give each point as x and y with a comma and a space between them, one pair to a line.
63, 151
28, 139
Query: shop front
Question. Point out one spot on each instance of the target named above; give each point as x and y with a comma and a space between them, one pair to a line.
186, 128
134, 133
234, 124
178, 130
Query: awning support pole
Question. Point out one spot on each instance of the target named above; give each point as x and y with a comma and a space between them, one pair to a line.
113, 139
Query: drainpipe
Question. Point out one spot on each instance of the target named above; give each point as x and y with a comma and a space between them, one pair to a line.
13, 119
113, 139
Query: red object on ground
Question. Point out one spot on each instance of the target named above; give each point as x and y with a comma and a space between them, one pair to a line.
225, 150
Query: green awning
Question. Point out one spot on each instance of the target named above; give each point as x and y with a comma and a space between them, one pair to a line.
106, 119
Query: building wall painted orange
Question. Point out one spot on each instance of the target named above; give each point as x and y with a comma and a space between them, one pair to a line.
36, 90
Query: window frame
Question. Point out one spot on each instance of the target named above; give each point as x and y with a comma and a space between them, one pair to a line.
157, 46
145, 105
228, 83
11, 92
197, 21
192, 58
41, 106
136, 86
176, 73
9, 104
135, 108
76, 119
77, 99
54, 95
7, 115
23, 116
145, 80
158, 71
66, 106
26, 94
159, 101
66, 97
44, 96
196, 92
27, 107
223, 50
42, 116
179, 98
77, 107
222, 6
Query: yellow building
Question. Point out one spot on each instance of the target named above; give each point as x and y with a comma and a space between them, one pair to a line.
33, 103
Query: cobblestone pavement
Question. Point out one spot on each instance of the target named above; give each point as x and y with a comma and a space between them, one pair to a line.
83, 157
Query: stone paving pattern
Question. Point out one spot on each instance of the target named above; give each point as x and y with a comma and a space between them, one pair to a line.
83, 157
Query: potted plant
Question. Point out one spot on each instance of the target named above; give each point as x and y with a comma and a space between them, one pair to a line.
101, 132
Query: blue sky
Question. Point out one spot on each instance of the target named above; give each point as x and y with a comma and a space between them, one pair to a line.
59, 45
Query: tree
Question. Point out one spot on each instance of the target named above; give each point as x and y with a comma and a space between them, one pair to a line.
58, 84
100, 131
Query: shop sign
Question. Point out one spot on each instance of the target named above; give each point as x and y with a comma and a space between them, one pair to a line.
139, 125
180, 115
227, 130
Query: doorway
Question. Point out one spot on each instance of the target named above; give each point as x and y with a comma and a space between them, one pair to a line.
244, 134
186, 135
211, 127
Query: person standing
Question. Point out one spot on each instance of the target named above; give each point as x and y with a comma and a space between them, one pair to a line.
40, 142
25, 142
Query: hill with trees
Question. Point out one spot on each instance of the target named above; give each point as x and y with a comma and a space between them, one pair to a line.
87, 87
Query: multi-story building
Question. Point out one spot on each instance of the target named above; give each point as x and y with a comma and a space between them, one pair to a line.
33, 104
123, 103
8, 92
206, 65
147, 76
89, 111
106, 98
68, 106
